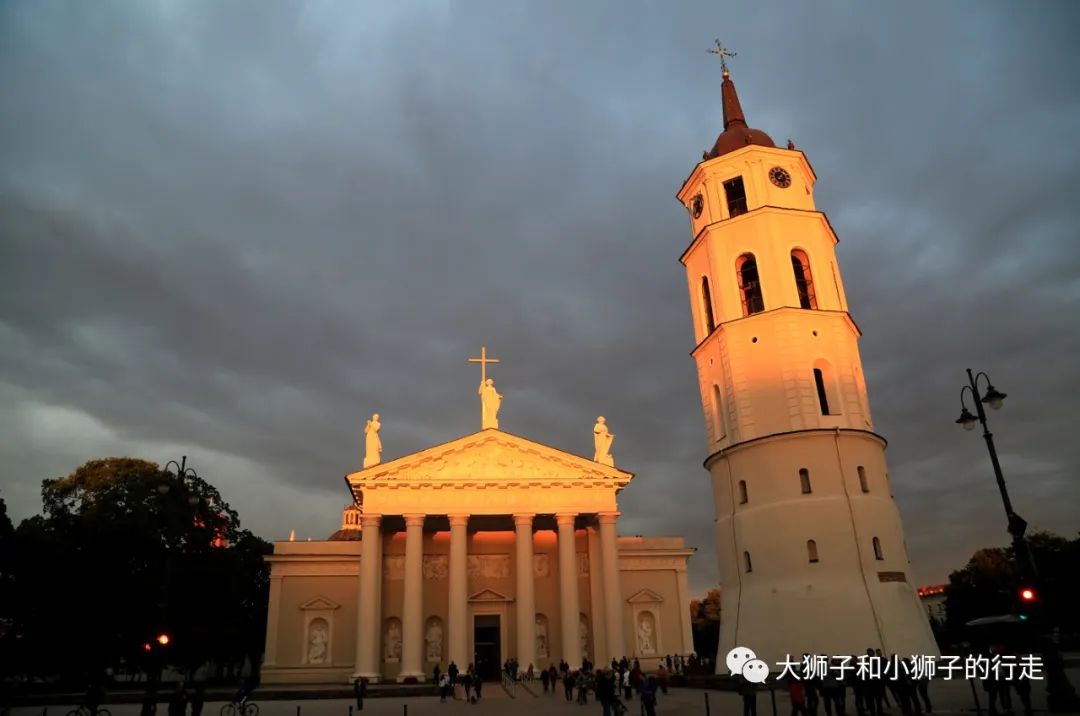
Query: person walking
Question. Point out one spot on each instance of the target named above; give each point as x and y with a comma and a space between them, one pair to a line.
1023, 692
452, 672
478, 685
360, 691
444, 687
748, 692
648, 696
198, 698
811, 685
605, 692
544, 679
797, 695
568, 685
883, 689
466, 684
662, 678
178, 700
857, 683
922, 691
833, 693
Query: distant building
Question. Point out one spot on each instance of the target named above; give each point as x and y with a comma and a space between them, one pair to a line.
933, 600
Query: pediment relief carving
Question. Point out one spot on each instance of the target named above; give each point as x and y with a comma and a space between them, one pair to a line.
319, 602
645, 596
493, 457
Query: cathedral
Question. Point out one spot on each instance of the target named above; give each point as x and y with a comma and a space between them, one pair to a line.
494, 546
484, 548
810, 545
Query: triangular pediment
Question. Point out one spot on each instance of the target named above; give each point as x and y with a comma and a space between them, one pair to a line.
489, 595
490, 456
645, 596
319, 602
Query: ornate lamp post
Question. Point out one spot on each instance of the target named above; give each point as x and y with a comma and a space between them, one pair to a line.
164, 487
182, 471
1060, 695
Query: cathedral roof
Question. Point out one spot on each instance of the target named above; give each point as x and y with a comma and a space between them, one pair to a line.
736, 134
492, 459
345, 536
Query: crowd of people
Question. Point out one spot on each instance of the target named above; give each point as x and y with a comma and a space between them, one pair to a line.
906, 689
611, 687
467, 685
828, 690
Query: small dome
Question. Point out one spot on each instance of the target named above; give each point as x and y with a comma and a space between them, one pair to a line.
350, 524
738, 136
345, 536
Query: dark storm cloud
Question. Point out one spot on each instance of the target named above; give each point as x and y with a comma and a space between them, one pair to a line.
235, 230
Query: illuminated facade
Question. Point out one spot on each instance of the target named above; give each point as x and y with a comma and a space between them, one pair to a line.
487, 547
811, 548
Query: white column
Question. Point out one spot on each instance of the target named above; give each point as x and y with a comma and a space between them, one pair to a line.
568, 591
367, 607
412, 612
687, 630
458, 628
613, 603
526, 597
272, 620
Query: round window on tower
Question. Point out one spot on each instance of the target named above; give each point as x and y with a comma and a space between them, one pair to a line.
780, 177
697, 205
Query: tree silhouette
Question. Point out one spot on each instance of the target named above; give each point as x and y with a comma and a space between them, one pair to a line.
114, 560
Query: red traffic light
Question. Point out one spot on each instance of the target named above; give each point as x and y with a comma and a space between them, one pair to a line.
1027, 595
146, 646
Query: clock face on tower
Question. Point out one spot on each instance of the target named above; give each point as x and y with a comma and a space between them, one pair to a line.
780, 177
697, 204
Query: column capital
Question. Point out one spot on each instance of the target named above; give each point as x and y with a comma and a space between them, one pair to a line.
566, 518
369, 519
608, 517
524, 518
459, 518
414, 519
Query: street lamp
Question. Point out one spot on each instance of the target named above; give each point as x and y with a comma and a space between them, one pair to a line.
182, 471
163, 488
994, 399
1060, 695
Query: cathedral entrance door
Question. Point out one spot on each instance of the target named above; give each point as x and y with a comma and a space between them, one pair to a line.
486, 638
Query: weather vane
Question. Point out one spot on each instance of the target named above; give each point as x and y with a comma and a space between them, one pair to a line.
723, 52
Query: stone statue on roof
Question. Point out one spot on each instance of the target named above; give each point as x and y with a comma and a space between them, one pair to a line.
602, 440
372, 443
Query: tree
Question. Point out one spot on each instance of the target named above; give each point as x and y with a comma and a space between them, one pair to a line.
115, 559
987, 585
705, 623
7, 581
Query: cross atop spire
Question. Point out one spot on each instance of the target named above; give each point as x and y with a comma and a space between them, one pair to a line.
723, 53
737, 134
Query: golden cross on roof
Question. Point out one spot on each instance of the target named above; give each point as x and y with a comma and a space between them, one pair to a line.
723, 52
483, 360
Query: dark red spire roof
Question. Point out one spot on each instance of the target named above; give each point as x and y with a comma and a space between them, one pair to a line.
736, 134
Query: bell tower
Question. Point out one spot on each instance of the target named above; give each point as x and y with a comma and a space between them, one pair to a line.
811, 547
